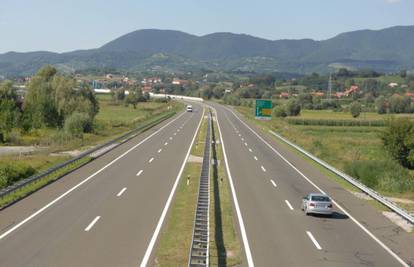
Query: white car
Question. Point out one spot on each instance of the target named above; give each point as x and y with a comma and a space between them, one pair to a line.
316, 203
189, 108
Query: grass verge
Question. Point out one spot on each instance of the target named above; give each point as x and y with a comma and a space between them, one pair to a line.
225, 247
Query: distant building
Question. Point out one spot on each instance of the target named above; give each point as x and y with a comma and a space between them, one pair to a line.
339, 94
353, 89
146, 88
318, 94
284, 95
109, 76
151, 80
177, 81
410, 95
392, 85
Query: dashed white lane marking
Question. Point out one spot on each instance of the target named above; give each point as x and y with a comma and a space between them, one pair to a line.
240, 135
150, 160
178, 130
314, 240
250, 150
273, 183
139, 173
121, 192
242, 139
170, 138
89, 227
255, 158
175, 133
159, 150
245, 144
166, 143
263, 168
289, 205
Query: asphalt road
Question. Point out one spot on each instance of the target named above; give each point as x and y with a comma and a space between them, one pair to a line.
109, 212
109, 219
269, 189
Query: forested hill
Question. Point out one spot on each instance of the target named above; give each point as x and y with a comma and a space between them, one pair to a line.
386, 50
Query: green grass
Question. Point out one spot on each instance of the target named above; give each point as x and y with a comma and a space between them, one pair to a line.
225, 247
34, 186
176, 236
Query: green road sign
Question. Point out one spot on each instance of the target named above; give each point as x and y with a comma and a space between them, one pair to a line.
263, 109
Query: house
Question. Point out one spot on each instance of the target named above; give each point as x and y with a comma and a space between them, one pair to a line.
109, 76
146, 89
177, 81
318, 94
284, 95
353, 89
410, 95
392, 84
339, 94
151, 80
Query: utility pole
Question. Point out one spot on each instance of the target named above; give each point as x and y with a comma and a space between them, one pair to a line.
330, 87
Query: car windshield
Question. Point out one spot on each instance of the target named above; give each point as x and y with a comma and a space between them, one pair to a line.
320, 198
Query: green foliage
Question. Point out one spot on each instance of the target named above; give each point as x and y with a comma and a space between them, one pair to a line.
279, 111
9, 111
336, 122
398, 140
232, 100
386, 176
78, 123
292, 108
12, 172
400, 104
381, 105
355, 108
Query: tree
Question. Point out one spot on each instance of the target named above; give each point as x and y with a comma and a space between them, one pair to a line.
39, 106
381, 104
400, 104
293, 108
398, 139
279, 111
355, 109
9, 111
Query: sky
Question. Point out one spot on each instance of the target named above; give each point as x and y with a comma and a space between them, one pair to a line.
66, 25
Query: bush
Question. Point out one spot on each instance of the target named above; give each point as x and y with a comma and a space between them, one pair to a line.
13, 172
355, 109
292, 108
279, 111
78, 123
385, 176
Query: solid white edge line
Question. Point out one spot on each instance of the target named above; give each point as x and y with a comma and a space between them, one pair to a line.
89, 227
289, 205
121, 192
236, 203
84, 181
140, 172
273, 183
150, 160
392, 253
154, 237
314, 240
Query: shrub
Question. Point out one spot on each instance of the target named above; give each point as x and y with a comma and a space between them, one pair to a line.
279, 111
78, 123
355, 109
292, 108
13, 172
386, 175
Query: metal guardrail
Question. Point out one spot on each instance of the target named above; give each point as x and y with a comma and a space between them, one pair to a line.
113, 143
372, 193
199, 252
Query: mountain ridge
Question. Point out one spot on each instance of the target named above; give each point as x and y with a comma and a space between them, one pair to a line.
387, 50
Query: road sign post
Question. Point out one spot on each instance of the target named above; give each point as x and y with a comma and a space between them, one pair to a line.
263, 109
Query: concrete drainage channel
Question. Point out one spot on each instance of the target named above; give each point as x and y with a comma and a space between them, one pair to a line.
199, 251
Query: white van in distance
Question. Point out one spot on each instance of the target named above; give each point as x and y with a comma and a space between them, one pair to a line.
189, 108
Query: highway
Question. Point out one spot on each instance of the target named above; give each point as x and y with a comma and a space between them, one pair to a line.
270, 182
109, 219
109, 212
